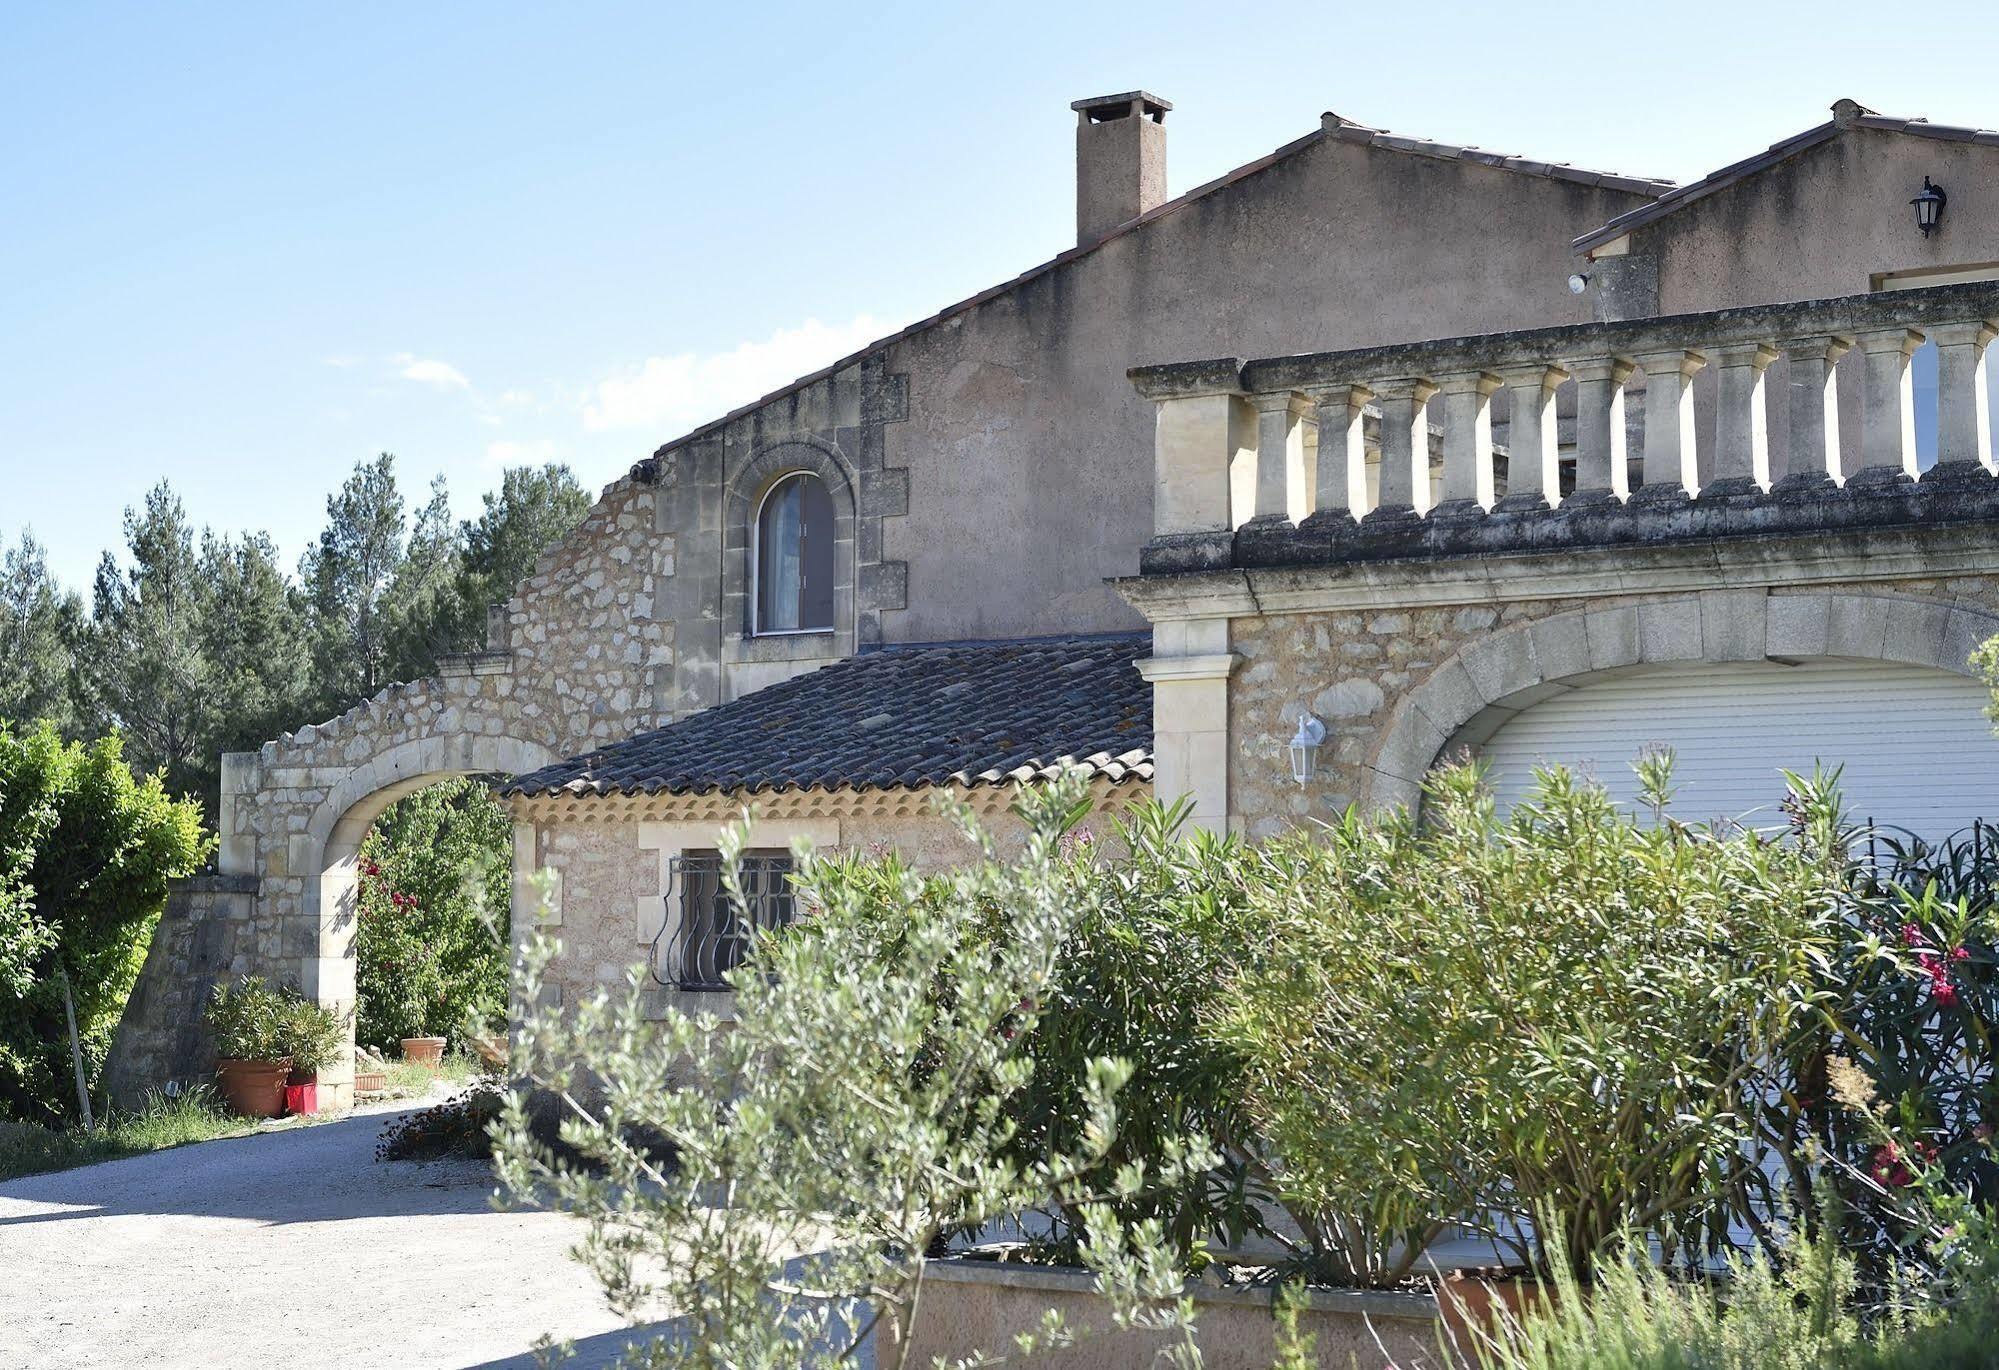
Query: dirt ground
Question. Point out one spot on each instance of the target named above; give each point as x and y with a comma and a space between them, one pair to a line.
293, 1248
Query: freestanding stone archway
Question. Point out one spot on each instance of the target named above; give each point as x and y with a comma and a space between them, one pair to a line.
576, 659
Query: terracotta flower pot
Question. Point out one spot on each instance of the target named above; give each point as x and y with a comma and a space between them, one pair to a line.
424, 1051
1480, 1305
255, 1089
370, 1081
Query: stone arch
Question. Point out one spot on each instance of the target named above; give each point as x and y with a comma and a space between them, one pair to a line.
741, 499
1488, 680
328, 857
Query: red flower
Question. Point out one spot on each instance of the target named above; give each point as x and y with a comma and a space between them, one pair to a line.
1959, 954
1888, 1170
1911, 935
1944, 993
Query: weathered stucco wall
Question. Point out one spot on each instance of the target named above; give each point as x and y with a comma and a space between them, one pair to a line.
1825, 222
1029, 456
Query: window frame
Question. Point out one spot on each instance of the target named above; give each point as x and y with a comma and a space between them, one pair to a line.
755, 587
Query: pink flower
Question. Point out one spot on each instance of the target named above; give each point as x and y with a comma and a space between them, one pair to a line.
1911, 935
1944, 993
1959, 954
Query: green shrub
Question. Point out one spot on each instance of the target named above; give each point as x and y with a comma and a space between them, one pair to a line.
86, 851
1562, 1012
431, 949
250, 1021
852, 1110
161, 1122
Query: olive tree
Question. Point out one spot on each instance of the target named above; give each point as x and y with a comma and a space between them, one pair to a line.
779, 1183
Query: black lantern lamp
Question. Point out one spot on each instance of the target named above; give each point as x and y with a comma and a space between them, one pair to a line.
1929, 203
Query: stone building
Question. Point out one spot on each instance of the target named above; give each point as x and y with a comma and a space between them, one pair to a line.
1539, 460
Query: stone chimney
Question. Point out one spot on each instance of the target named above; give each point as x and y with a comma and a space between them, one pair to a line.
1120, 160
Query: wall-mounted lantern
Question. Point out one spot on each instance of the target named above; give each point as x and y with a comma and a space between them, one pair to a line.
1929, 203
1305, 748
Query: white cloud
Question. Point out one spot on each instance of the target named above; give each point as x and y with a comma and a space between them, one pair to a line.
429, 371
517, 396
508, 452
677, 392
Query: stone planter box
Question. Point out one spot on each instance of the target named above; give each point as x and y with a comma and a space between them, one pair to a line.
982, 1305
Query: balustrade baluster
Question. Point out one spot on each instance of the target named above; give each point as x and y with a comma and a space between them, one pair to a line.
1405, 448
1964, 414
1888, 420
1341, 493
1533, 468
1466, 399
1600, 471
1742, 422
1670, 470
1814, 408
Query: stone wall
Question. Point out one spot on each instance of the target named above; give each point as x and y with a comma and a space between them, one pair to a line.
1396, 686
611, 868
212, 930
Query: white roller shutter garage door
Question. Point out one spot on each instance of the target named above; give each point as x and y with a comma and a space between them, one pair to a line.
1917, 748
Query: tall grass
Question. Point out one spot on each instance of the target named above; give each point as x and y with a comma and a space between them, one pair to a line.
161, 1122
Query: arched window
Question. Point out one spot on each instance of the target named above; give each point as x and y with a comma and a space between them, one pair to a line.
794, 557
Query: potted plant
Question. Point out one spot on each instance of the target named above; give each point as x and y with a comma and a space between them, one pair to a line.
424, 1051
370, 1072
249, 1022
313, 1038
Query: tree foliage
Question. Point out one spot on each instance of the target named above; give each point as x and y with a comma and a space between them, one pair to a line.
86, 852
843, 1126
432, 945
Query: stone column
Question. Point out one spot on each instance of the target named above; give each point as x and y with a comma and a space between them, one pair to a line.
1671, 472
1600, 470
1340, 493
1281, 494
1467, 405
1189, 670
1742, 423
1888, 420
1964, 416
1814, 400
1202, 430
1533, 467
1405, 448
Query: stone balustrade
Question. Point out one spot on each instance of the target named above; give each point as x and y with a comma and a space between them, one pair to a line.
1268, 462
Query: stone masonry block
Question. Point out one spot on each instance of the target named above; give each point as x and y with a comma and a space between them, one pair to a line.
1561, 646
885, 494
885, 585
1411, 745
1448, 698
1733, 624
1795, 625
1915, 634
1670, 630
1856, 625
1613, 637
1965, 631
1503, 664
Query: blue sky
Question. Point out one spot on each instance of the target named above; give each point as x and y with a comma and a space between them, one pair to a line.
248, 246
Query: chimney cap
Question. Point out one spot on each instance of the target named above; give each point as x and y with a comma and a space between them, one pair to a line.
1104, 107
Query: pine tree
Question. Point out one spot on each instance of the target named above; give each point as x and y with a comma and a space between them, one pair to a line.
41, 626
347, 577
146, 672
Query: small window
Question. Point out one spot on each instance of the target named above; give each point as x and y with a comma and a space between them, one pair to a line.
708, 936
794, 557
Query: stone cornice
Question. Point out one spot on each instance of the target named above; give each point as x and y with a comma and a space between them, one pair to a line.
1872, 554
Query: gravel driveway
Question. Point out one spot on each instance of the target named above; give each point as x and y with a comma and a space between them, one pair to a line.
293, 1248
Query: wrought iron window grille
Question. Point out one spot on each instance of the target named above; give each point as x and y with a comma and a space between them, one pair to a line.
705, 933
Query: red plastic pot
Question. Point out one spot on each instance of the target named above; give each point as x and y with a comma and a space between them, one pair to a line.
302, 1094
